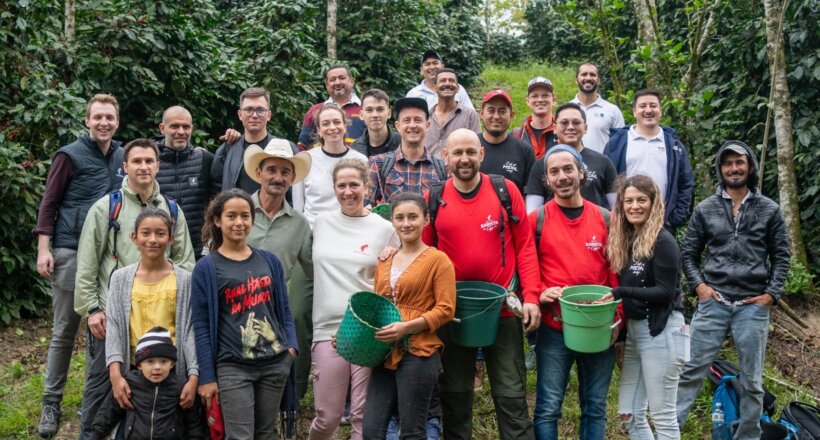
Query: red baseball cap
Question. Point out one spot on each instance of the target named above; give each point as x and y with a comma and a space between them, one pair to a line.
496, 94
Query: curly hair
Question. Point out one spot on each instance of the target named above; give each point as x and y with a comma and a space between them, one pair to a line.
624, 240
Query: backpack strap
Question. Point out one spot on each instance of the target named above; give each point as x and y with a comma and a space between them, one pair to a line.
173, 208
605, 215
441, 168
539, 224
433, 203
500, 187
387, 165
114, 208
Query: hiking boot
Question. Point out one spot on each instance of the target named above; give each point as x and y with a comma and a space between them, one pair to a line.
49, 420
478, 382
529, 358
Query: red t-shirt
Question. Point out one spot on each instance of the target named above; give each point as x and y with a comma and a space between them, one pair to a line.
571, 252
468, 232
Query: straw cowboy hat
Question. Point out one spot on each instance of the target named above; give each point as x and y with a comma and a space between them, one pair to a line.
278, 148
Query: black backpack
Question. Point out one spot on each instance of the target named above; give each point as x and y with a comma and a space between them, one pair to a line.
499, 186
801, 419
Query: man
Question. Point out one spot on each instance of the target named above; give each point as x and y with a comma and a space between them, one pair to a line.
184, 170
448, 115
503, 154
602, 116
81, 172
410, 168
339, 84
103, 249
538, 130
571, 235
654, 150
280, 229
599, 175
377, 138
430, 62
469, 214
227, 170
737, 280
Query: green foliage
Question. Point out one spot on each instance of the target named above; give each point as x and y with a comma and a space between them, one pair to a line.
800, 281
21, 182
461, 41
506, 49
550, 36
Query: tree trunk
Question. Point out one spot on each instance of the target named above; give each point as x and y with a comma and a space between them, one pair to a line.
646, 16
69, 21
331, 30
781, 106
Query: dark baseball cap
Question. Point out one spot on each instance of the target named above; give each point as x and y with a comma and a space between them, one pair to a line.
429, 53
418, 103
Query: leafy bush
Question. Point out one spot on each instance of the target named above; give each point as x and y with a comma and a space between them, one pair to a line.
505, 49
21, 184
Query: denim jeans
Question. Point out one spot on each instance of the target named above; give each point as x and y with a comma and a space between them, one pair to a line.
414, 380
554, 362
66, 323
97, 382
250, 395
649, 375
508, 380
711, 323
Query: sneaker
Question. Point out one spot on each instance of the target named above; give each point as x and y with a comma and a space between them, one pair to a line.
478, 382
529, 359
49, 420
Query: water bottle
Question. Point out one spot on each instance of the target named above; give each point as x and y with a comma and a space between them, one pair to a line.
718, 423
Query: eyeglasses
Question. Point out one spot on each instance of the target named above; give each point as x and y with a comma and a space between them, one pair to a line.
576, 123
260, 111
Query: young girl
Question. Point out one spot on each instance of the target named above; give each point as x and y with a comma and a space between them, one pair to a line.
315, 194
420, 280
152, 292
646, 258
346, 246
245, 337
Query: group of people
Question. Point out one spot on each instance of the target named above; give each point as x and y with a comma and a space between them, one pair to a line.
216, 283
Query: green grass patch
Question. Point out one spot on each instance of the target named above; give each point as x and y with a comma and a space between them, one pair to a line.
514, 80
21, 392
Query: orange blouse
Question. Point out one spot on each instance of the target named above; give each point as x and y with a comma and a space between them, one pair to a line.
426, 288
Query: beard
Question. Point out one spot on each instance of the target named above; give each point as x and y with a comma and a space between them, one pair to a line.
736, 184
583, 87
496, 133
473, 171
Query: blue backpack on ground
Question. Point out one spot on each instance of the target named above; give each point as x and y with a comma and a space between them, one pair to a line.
725, 401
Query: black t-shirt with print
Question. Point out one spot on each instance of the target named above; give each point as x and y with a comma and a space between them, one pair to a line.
512, 159
601, 175
247, 327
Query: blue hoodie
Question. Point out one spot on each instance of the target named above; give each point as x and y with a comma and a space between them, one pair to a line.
681, 180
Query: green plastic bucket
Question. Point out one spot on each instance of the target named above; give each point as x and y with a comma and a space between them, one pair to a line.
478, 311
366, 313
587, 327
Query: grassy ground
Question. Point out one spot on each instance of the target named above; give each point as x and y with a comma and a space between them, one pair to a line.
514, 81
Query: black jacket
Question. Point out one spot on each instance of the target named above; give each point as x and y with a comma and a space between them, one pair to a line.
362, 144
650, 290
185, 176
742, 259
156, 413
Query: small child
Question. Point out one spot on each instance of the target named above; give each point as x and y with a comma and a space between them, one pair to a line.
153, 409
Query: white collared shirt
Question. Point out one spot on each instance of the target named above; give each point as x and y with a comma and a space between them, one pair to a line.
647, 156
429, 95
602, 116
353, 100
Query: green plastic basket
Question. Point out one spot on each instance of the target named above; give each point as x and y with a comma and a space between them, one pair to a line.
366, 313
587, 327
478, 312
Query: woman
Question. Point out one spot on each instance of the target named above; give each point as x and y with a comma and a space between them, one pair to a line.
646, 257
152, 292
245, 338
346, 246
315, 194
420, 280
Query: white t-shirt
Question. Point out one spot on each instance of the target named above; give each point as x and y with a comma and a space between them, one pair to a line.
602, 116
315, 194
345, 253
430, 95
647, 156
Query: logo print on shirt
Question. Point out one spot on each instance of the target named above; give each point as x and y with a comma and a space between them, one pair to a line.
594, 245
193, 181
489, 225
637, 267
510, 167
362, 249
591, 175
